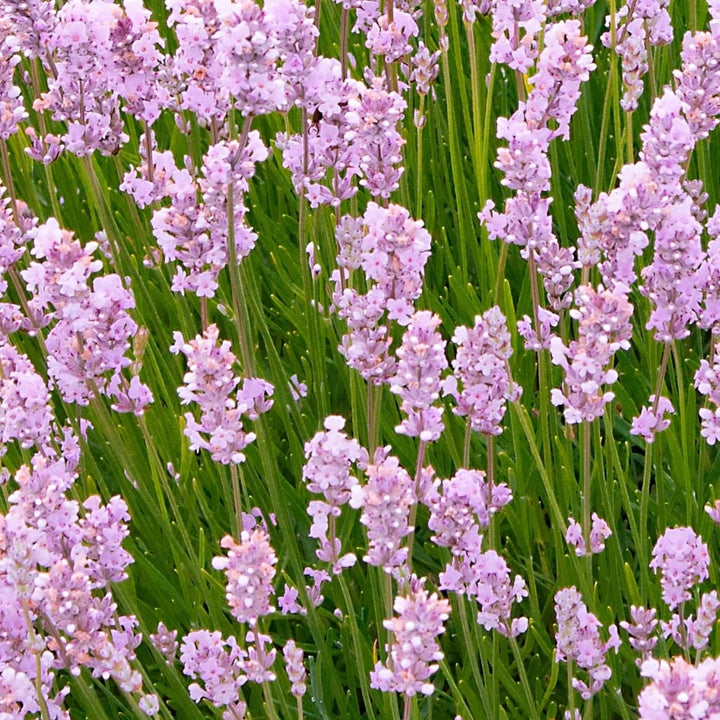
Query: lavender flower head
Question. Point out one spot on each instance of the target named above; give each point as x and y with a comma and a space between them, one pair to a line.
210, 383
330, 455
250, 570
578, 639
421, 361
414, 654
481, 365
385, 500
682, 559
679, 689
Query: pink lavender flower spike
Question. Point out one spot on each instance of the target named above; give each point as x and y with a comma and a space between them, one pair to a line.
391, 39
25, 413
548, 320
682, 559
672, 281
707, 382
385, 500
481, 365
490, 584
12, 107
250, 570
578, 640
195, 236
604, 327
598, 534
679, 689
515, 28
330, 455
571, 7
693, 632
55, 574
210, 383
217, 663
652, 419
91, 325
457, 514
258, 662
293, 656
697, 82
80, 88
392, 250
413, 656
165, 642
641, 630
565, 62
421, 361
637, 27
196, 68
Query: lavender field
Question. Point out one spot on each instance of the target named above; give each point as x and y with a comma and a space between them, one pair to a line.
359, 359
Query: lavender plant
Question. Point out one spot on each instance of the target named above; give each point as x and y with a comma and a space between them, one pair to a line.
359, 359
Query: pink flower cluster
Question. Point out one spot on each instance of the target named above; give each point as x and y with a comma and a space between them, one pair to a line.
196, 235
91, 327
457, 516
578, 639
57, 611
635, 27
481, 367
330, 455
421, 361
220, 663
386, 500
295, 669
707, 382
466, 505
682, 559
414, 653
223, 400
250, 570
564, 63
392, 250
598, 534
641, 631
679, 689
357, 136
25, 413
604, 328
217, 662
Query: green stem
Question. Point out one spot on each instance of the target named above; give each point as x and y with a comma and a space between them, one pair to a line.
413, 510
242, 317
237, 498
629, 139
9, 184
571, 691
524, 678
456, 164
586, 475
543, 369
466, 445
419, 168
472, 653
110, 227
690, 498
363, 674
344, 18
490, 450
477, 140
44, 711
